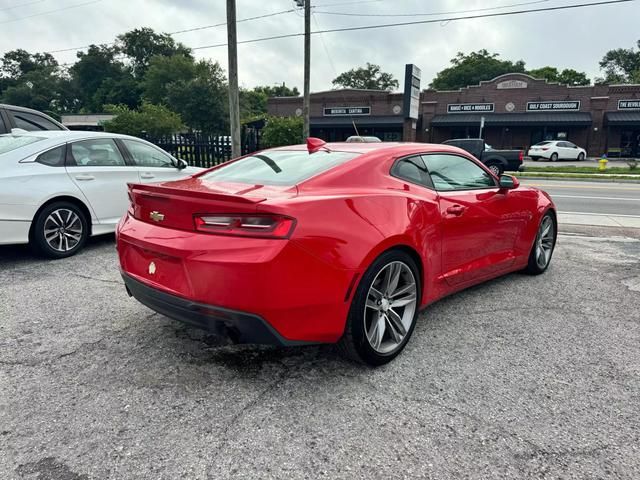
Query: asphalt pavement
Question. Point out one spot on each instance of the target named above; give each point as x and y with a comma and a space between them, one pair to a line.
522, 377
591, 197
589, 162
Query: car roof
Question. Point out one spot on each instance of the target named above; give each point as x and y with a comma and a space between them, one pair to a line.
66, 134
401, 148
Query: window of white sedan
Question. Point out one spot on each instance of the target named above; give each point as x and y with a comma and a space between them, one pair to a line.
53, 158
101, 152
12, 142
148, 156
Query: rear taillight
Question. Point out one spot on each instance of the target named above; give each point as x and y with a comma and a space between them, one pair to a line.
521, 156
267, 226
544, 149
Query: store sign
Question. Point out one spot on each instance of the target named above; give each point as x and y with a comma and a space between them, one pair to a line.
470, 107
411, 102
563, 106
344, 111
628, 104
509, 84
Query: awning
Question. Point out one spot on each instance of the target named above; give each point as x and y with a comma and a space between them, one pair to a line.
622, 119
577, 119
362, 121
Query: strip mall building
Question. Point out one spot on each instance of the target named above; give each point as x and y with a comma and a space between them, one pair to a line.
517, 111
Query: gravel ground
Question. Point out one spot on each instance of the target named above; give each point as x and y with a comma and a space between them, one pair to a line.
522, 377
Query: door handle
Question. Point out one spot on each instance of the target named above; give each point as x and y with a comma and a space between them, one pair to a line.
147, 175
456, 210
85, 178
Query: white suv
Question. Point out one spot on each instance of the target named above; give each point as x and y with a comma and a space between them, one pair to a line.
556, 150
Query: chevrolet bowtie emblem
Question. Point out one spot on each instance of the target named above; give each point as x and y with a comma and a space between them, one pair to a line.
156, 216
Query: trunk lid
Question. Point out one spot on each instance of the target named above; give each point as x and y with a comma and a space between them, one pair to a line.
174, 204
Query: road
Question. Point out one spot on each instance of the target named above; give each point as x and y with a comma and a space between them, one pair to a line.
523, 377
592, 197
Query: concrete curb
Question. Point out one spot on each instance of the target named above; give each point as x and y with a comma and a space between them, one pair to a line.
605, 179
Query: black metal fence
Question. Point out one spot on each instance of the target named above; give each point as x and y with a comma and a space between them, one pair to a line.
203, 150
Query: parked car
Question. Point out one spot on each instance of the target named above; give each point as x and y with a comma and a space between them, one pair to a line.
360, 139
554, 150
60, 187
498, 161
12, 116
336, 242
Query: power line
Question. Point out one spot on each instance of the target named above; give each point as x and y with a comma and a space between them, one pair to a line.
4, 9
433, 14
423, 22
273, 14
50, 11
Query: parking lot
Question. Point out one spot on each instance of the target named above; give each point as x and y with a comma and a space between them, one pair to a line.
523, 377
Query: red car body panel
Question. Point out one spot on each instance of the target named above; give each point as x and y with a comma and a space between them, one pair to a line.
302, 286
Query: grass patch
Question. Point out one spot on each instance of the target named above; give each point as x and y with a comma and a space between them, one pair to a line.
528, 174
583, 170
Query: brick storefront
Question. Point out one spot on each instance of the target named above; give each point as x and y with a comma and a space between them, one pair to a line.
519, 110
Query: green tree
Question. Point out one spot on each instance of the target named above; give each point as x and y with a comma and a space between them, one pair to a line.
621, 65
102, 79
253, 104
151, 119
162, 72
567, 76
203, 100
370, 77
142, 44
280, 131
473, 68
277, 91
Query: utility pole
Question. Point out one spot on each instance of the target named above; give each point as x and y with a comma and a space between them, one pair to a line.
307, 64
234, 100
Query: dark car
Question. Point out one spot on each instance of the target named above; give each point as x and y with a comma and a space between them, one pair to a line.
12, 116
498, 161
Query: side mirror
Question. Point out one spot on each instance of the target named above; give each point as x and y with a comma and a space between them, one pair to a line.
509, 182
181, 164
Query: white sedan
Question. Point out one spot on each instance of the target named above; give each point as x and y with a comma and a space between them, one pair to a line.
57, 188
556, 150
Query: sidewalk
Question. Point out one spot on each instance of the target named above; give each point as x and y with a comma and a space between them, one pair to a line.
599, 219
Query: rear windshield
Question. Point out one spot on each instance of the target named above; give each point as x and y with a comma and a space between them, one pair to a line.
11, 142
278, 167
542, 143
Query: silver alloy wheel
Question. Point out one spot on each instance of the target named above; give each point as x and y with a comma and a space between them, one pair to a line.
545, 242
63, 230
391, 304
495, 169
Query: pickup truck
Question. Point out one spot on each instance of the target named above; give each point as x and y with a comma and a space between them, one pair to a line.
497, 160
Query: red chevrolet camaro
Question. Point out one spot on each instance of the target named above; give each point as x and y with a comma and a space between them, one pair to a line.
323, 243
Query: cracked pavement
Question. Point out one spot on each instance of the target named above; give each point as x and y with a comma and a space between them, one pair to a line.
522, 377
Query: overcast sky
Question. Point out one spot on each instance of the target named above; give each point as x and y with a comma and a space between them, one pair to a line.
575, 38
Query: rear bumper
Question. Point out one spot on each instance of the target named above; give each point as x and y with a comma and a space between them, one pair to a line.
241, 327
14, 232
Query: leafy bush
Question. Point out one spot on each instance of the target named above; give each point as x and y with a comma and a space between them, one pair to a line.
633, 164
281, 131
152, 119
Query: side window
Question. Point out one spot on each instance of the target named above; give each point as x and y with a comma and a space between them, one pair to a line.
53, 157
451, 172
147, 156
100, 152
31, 122
413, 170
569, 145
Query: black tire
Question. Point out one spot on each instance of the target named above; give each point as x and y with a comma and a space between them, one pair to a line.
533, 268
581, 157
496, 168
38, 240
354, 343
535, 159
553, 157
